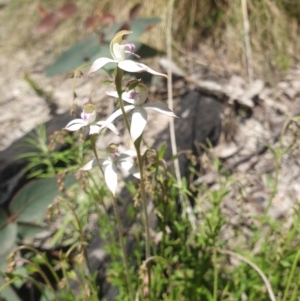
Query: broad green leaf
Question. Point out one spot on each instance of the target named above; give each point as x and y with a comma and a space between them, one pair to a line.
141, 25
8, 235
31, 202
111, 31
21, 271
7, 293
47, 295
80, 53
3, 219
26, 230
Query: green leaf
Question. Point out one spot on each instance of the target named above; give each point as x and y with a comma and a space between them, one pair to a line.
141, 25
269, 181
8, 235
26, 230
162, 150
7, 293
3, 219
47, 295
31, 202
18, 271
82, 52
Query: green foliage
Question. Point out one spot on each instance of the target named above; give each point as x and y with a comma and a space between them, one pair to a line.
43, 160
27, 211
186, 263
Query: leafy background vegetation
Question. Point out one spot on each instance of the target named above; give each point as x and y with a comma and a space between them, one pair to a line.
189, 263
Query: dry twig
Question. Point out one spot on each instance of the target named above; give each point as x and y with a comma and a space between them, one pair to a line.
247, 40
255, 267
184, 201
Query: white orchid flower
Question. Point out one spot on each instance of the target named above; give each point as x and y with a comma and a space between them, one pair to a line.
88, 118
137, 97
110, 164
119, 52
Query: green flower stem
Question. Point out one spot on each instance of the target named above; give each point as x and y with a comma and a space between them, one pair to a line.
45, 262
118, 83
290, 277
215, 291
42, 274
144, 205
81, 234
124, 257
119, 226
143, 196
27, 278
93, 144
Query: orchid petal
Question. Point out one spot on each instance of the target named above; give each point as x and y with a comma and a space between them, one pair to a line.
159, 107
114, 115
130, 167
75, 125
111, 177
106, 162
112, 94
128, 99
109, 126
117, 113
131, 66
138, 122
99, 63
94, 129
88, 166
125, 96
128, 153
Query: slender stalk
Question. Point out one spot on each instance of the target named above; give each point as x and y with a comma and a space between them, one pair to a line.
27, 278
215, 292
255, 267
81, 234
291, 276
275, 187
186, 206
145, 213
143, 196
42, 274
120, 235
118, 82
121, 242
247, 40
32, 249
64, 272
